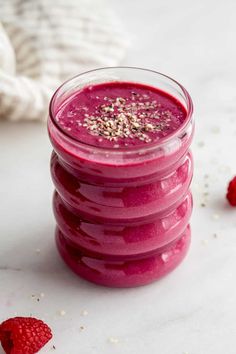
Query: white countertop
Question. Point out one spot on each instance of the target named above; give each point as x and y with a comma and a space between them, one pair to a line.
193, 310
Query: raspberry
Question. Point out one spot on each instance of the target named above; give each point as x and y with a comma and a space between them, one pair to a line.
231, 193
24, 335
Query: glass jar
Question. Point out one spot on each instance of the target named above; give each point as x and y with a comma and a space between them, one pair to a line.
122, 214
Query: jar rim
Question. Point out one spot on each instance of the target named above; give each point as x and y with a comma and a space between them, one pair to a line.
162, 142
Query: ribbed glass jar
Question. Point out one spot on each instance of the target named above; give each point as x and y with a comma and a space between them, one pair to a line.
122, 214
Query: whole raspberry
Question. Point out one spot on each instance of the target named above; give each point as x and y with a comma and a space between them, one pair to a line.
231, 193
24, 335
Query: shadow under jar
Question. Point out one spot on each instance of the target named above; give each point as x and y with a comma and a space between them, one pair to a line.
121, 167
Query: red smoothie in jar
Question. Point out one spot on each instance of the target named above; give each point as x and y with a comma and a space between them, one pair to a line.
122, 171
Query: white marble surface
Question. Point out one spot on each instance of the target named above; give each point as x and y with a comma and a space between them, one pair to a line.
194, 309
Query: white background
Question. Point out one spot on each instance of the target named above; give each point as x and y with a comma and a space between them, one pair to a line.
194, 309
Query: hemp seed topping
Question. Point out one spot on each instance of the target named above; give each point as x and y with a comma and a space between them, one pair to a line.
122, 118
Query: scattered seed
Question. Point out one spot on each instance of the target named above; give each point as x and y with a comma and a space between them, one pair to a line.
205, 242
113, 340
62, 312
149, 127
215, 216
84, 313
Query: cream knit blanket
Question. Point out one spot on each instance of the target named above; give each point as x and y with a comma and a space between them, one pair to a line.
45, 42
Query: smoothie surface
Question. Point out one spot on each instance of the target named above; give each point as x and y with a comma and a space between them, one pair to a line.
120, 115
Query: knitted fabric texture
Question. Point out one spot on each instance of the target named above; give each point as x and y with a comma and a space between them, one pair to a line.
45, 42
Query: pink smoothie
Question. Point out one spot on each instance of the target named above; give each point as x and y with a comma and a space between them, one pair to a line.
120, 115
122, 170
